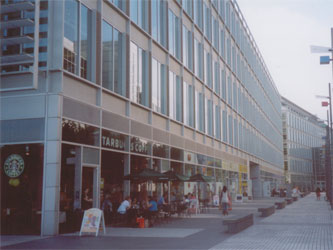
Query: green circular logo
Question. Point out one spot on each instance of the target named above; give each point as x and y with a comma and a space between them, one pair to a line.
14, 166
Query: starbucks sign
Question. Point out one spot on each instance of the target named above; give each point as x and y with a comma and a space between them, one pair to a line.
14, 166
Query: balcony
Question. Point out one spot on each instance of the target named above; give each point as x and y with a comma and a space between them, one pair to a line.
16, 40
19, 6
16, 23
16, 59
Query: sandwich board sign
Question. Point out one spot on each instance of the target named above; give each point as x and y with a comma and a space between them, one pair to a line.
92, 221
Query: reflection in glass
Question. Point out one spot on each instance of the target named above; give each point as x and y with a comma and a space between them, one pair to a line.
160, 150
140, 146
177, 154
79, 132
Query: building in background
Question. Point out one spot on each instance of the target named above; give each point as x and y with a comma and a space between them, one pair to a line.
319, 169
303, 141
94, 90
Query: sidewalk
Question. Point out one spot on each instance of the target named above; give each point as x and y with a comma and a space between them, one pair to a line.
305, 224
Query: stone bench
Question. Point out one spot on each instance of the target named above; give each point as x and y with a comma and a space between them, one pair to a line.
289, 201
266, 211
238, 223
295, 198
280, 204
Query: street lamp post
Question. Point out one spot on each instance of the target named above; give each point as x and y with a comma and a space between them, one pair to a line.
326, 60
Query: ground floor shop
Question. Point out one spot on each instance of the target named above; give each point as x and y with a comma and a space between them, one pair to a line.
45, 186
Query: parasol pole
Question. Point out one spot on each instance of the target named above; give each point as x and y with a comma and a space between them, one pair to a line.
197, 205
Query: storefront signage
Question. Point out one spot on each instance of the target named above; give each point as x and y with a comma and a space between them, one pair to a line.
242, 169
113, 140
92, 221
139, 146
230, 166
14, 166
190, 157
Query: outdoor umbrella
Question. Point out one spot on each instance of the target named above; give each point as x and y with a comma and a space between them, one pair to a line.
201, 178
176, 177
146, 174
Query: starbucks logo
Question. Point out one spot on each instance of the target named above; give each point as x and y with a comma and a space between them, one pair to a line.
14, 166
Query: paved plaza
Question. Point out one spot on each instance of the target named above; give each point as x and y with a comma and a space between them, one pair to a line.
305, 224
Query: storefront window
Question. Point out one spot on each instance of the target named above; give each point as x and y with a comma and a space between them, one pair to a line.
190, 170
177, 154
112, 177
140, 146
21, 188
160, 150
202, 159
80, 133
114, 140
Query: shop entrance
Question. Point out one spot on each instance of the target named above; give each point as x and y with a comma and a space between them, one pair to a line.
89, 190
78, 186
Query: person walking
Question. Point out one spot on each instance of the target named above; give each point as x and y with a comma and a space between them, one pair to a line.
224, 198
318, 193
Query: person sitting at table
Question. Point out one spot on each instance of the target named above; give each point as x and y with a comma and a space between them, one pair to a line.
161, 203
151, 210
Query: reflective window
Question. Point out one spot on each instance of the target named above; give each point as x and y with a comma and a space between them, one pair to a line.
225, 127
202, 159
224, 85
209, 116
159, 21
177, 154
160, 150
139, 87
207, 22
215, 33
229, 91
71, 35
139, 13
216, 76
85, 55
235, 132
208, 69
187, 48
234, 99
174, 35
198, 13
200, 111
187, 5
176, 97
159, 87
121, 4
80, 133
222, 44
114, 140
198, 58
217, 122
188, 104
140, 146
228, 52
230, 129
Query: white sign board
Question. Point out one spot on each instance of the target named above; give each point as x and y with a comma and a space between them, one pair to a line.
92, 221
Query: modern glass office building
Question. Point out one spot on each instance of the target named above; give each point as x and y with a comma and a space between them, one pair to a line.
92, 90
303, 135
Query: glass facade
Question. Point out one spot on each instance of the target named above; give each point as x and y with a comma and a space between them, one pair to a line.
139, 86
158, 88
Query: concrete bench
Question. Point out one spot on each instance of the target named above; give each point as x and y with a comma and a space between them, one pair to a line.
289, 201
280, 204
238, 223
266, 211
295, 198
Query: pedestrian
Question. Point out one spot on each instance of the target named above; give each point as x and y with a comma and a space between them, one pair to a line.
318, 193
224, 198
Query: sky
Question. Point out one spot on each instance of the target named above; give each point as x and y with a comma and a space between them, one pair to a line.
284, 31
